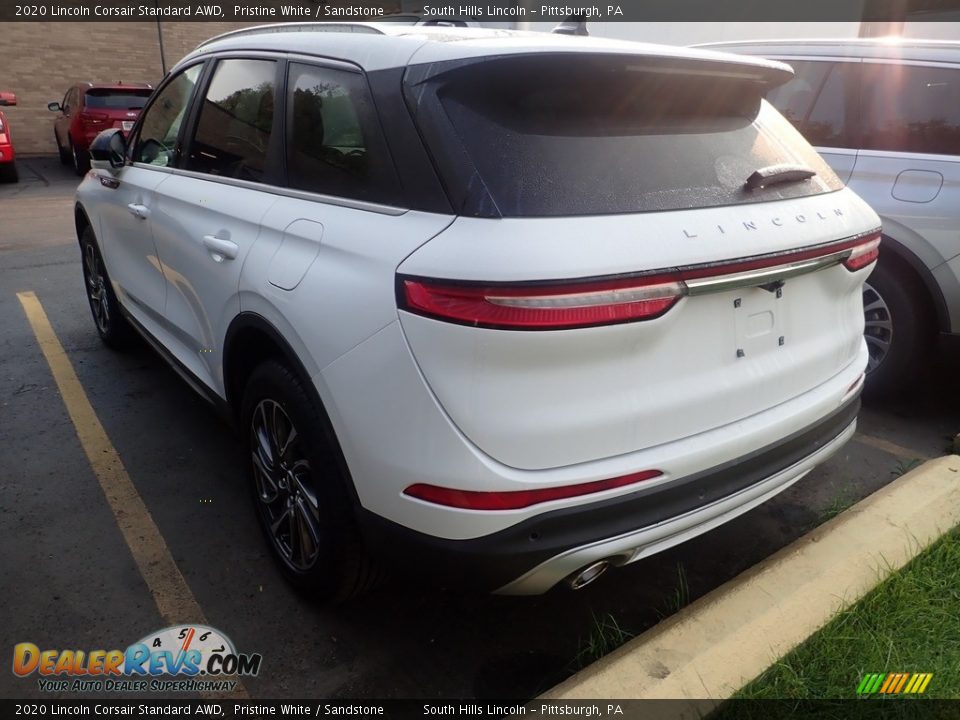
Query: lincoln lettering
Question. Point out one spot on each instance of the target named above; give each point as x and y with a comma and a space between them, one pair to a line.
778, 221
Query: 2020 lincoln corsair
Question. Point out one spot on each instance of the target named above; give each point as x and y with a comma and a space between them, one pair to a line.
522, 306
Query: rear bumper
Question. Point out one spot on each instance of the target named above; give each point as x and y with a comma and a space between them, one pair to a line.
532, 556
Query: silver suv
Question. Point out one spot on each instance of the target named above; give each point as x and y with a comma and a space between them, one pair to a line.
886, 116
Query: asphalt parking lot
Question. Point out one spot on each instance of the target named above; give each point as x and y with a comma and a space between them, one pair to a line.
70, 580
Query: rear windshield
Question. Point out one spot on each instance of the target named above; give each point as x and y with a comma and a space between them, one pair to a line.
585, 135
111, 99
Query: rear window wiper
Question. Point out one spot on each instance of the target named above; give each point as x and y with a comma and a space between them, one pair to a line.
776, 174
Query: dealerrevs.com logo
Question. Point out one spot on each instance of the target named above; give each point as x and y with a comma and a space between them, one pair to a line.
191, 658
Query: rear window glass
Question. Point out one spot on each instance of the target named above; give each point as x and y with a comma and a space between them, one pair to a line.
109, 99
583, 135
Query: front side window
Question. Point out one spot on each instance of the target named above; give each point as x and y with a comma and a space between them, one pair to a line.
335, 146
160, 128
911, 108
235, 125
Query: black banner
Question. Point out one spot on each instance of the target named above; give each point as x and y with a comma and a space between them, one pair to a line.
523, 11
465, 709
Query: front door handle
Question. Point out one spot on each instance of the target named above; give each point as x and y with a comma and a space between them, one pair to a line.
220, 249
139, 211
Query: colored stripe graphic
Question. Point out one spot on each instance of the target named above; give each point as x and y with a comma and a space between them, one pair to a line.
894, 683
886, 683
903, 681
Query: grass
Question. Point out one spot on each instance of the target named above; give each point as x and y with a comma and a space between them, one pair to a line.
605, 636
909, 623
840, 503
679, 598
904, 466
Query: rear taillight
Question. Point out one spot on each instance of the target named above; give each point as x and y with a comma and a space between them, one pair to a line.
545, 306
864, 253
518, 499
588, 302
93, 119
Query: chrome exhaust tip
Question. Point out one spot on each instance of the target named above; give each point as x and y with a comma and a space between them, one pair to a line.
586, 575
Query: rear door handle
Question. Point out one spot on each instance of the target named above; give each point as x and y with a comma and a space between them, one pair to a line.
140, 211
220, 249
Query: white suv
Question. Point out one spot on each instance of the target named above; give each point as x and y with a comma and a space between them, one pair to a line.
520, 306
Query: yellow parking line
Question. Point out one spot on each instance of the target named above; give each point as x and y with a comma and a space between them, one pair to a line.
890, 447
170, 591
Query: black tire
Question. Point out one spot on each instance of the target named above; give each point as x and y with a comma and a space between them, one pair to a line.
8, 173
81, 160
111, 325
299, 491
899, 329
65, 157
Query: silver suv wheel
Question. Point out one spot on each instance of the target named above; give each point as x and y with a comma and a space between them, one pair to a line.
878, 326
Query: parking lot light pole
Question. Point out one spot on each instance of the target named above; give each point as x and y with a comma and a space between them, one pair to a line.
163, 59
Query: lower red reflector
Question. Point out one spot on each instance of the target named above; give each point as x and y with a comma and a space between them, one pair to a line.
516, 499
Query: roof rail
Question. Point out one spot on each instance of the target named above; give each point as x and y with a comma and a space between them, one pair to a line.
296, 27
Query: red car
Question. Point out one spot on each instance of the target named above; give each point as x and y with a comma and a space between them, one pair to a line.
89, 108
8, 170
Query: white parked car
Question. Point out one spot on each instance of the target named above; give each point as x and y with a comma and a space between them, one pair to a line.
520, 306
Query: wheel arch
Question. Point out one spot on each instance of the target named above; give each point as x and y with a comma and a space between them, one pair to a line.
905, 259
252, 340
81, 220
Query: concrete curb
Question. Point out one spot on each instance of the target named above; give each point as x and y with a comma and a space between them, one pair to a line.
716, 645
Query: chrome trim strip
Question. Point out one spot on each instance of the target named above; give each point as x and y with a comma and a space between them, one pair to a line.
761, 276
291, 193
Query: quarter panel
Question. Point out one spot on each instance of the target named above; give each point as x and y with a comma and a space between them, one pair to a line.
347, 294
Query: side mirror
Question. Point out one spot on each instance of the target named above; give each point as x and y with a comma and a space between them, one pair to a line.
108, 150
7, 99
53, 107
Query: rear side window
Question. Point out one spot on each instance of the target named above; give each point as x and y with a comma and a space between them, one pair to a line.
235, 125
910, 108
822, 102
110, 99
335, 146
551, 135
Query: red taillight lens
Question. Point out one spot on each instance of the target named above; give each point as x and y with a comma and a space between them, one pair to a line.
89, 118
546, 306
854, 386
606, 301
864, 253
517, 499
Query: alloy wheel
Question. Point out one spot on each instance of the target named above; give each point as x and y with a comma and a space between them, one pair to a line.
96, 289
285, 486
878, 327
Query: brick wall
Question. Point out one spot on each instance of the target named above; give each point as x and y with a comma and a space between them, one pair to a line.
40, 60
